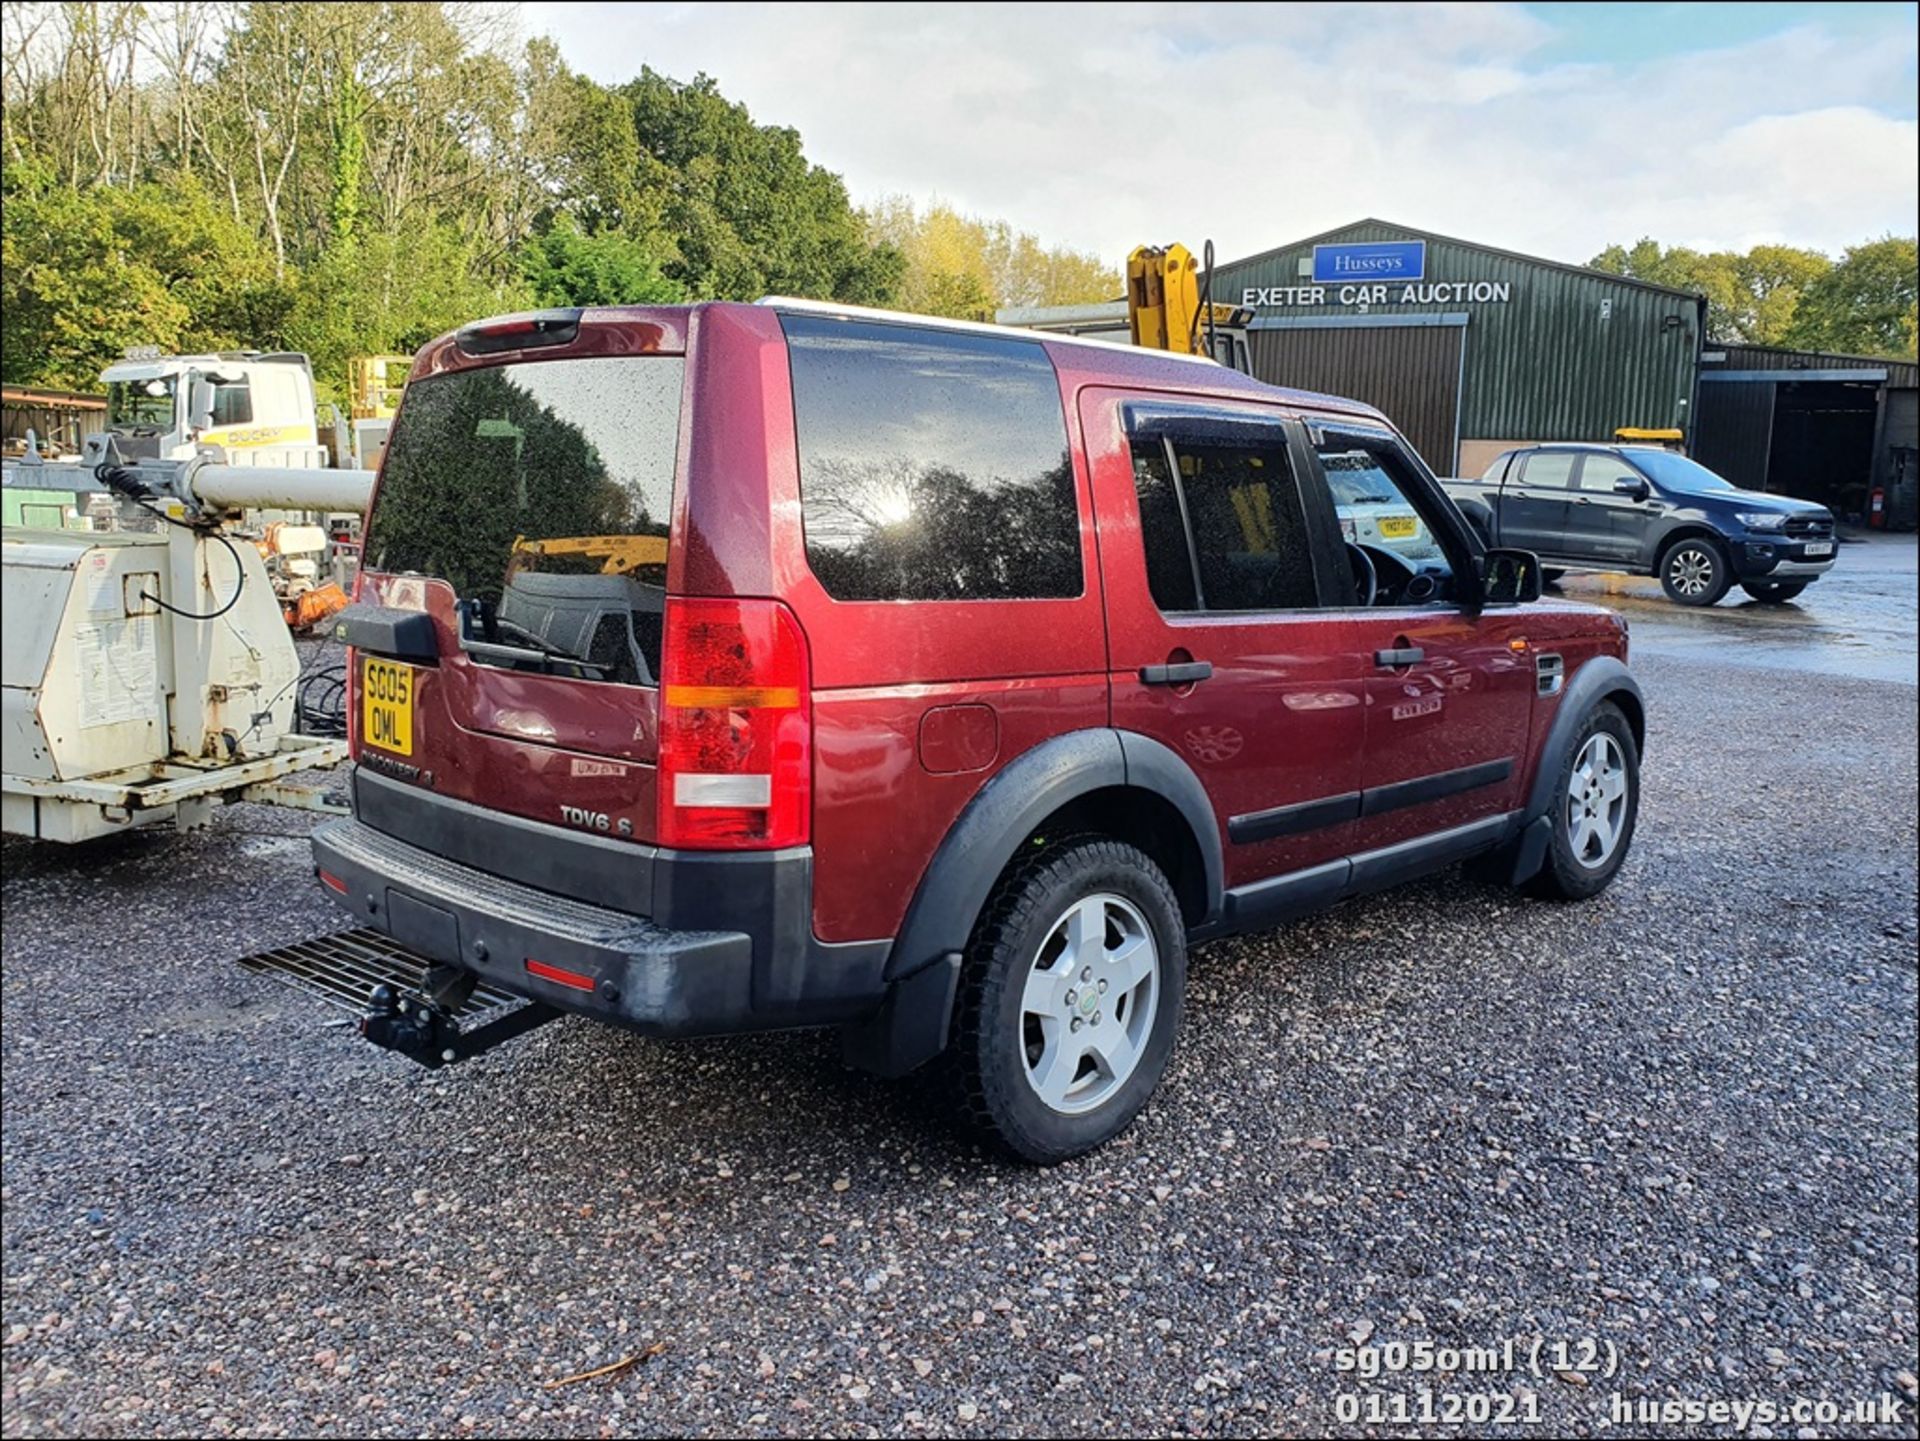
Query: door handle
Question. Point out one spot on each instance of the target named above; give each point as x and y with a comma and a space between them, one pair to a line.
1399, 656
1184, 674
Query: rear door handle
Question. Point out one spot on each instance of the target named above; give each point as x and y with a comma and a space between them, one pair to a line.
1186, 674
1404, 655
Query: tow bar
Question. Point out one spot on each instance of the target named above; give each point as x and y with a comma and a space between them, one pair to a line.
428, 1011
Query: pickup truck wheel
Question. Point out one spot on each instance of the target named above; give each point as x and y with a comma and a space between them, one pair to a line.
1773, 592
1597, 804
1070, 998
1695, 571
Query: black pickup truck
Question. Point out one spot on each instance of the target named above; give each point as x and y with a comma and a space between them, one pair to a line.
1649, 511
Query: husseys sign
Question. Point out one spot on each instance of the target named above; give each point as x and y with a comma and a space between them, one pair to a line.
1379, 260
1387, 272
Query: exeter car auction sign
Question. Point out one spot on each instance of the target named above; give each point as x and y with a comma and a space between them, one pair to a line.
1370, 273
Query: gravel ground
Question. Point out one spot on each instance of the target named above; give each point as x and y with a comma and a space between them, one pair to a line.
1680, 1119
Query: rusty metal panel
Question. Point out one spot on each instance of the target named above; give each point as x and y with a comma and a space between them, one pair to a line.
1410, 372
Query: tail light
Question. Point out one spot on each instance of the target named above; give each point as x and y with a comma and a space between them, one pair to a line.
736, 728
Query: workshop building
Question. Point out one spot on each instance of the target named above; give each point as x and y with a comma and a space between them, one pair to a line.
1840, 429
1471, 349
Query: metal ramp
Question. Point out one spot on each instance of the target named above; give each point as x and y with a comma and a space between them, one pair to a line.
428, 1011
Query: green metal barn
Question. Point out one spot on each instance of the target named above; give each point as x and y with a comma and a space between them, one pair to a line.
1470, 349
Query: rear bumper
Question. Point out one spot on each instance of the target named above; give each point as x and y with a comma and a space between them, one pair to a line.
761, 969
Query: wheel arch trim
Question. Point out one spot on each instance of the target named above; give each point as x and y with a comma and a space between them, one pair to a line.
1691, 528
1602, 678
1014, 803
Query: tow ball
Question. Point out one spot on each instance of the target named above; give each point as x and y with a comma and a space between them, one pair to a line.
412, 1026
424, 1028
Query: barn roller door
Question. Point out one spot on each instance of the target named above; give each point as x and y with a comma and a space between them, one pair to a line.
1409, 366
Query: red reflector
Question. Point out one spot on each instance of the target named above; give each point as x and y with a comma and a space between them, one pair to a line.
333, 882
558, 976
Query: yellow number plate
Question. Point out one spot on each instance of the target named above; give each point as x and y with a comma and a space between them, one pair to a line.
387, 720
1398, 527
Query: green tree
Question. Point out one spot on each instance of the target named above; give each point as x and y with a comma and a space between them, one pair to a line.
390, 294
1774, 278
1716, 276
348, 127
1865, 304
582, 153
568, 266
84, 275
750, 214
966, 267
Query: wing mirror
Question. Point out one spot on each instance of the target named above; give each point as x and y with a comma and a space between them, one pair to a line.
1509, 577
1632, 485
200, 405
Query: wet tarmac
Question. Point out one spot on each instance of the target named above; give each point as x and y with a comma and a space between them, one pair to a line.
1859, 620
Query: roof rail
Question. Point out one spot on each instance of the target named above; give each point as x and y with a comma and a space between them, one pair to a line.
976, 327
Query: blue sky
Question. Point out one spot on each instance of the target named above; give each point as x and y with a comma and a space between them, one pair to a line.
1623, 32
1547, 128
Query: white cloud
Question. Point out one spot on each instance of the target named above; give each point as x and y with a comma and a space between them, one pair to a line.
1104, 126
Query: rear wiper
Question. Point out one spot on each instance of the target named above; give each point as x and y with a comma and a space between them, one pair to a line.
539, 653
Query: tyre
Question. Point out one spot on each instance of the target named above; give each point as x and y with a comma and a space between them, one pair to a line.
1773, 592
1070, 998
1596, 807
1695, 571
1550, 576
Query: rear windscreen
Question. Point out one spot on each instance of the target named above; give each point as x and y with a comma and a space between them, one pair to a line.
542, 494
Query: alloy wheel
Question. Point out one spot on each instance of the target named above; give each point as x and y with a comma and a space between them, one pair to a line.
1690, 570
1597, 801
1088, 1004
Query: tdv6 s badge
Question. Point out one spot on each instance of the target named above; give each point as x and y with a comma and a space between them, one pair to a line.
595, 820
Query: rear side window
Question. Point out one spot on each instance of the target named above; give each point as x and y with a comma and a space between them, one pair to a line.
542, 492
1552, 469
1226, 531
933, 464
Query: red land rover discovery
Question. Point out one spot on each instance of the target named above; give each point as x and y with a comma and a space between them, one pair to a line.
743, 666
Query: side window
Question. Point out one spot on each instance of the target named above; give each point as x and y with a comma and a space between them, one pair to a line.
232, 403
1601, 471
1386, 515
1551, 469
933, 464
1163, 530
1226, 530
